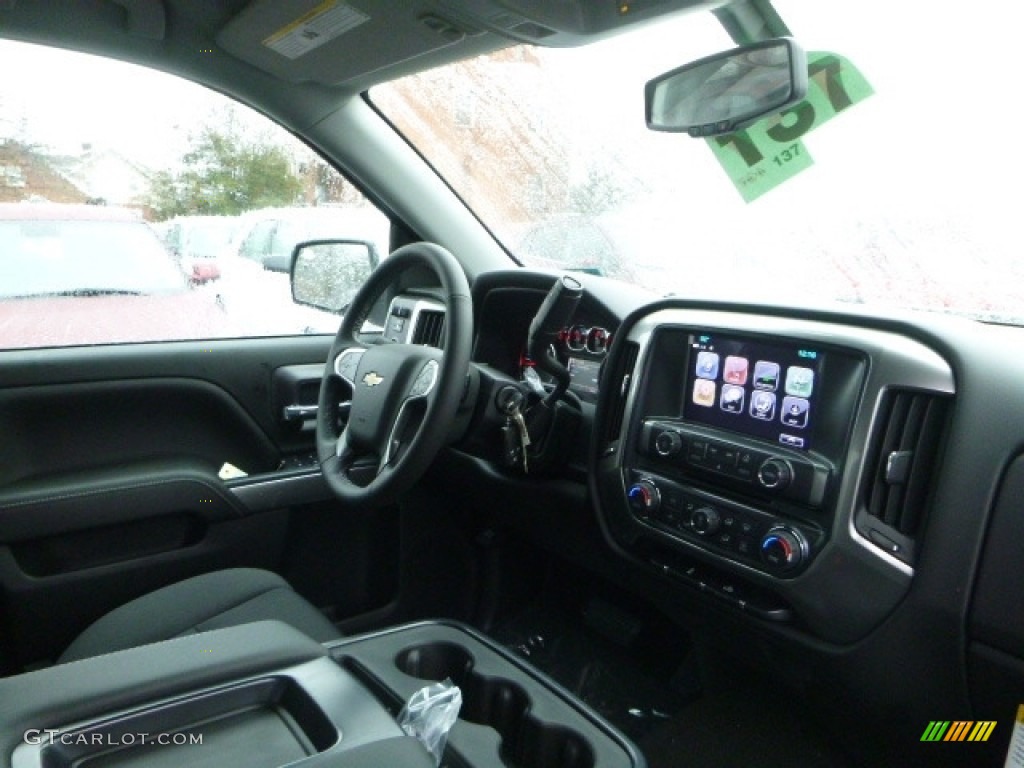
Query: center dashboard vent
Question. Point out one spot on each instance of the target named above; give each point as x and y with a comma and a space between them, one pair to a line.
429, 329
620, 379
902, 461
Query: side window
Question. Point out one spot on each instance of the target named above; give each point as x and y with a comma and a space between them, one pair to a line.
284, 239
163, 212
256, 246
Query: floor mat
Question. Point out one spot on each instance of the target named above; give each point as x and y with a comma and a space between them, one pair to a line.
743, 727
643, 690
627, 686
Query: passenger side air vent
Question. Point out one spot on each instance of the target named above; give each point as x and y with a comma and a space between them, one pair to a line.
901, 464
429, 328
620, 381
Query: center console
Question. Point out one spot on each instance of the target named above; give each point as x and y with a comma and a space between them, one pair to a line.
263, 696
740, 440
778, 465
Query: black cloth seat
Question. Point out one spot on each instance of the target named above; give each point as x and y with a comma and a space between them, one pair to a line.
210, 601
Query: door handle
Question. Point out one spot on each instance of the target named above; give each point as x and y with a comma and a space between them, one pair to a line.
306, 412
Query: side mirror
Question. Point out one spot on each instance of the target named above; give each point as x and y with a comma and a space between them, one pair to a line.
728, 91
327, 273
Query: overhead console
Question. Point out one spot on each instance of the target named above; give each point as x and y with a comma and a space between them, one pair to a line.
780, 465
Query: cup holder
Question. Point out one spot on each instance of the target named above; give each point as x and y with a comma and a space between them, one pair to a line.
436, 661
500, 704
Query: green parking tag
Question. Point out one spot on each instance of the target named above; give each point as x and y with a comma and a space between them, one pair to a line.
770, 152
750, 170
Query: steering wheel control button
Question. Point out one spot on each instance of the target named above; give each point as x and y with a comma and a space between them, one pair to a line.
347, 363
644, 498
783, 548
775, 474
668, 444
425, 380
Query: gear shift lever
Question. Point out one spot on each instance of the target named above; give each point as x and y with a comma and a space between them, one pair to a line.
554, 314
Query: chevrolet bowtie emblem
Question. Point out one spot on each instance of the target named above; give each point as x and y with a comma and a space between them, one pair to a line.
372, 379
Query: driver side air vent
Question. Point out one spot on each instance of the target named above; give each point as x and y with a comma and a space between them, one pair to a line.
902, 459
620, 380
429, 329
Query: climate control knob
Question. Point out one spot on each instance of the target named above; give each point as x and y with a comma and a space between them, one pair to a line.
775, 474
783, 548
668, 443
705, 521
644, 498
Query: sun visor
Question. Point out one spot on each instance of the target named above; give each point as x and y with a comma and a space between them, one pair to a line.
335, 42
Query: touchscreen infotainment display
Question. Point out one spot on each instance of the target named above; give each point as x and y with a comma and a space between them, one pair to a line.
764, 390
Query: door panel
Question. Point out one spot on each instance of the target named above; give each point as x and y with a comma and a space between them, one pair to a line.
47, 505
56, 429
109, 484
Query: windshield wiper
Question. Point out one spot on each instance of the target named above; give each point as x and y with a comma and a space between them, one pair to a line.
86, 292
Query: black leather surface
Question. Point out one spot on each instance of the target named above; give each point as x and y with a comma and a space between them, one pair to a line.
202, 603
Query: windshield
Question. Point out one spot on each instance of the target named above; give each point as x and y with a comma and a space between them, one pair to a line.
901, 198
83, 258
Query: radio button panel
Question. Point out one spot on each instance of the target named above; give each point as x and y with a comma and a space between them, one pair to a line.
780, 473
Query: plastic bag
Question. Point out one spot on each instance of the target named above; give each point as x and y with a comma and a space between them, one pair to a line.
430, 713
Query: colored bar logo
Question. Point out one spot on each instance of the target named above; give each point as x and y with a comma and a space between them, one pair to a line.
958, 730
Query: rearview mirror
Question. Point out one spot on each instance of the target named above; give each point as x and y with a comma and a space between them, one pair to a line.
728, 91
327, 273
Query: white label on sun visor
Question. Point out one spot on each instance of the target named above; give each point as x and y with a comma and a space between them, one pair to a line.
311, 30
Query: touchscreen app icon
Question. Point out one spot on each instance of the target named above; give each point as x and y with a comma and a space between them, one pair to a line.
704, 392
736, 370
762, 405
707, 365
799, 381
766, 375
794, 412
732, 398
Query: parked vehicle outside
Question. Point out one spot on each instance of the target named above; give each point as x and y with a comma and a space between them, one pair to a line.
93, 274
197, 242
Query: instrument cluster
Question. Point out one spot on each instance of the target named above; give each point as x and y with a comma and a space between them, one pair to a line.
594, 340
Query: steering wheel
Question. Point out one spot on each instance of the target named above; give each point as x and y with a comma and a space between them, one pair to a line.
404, 397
